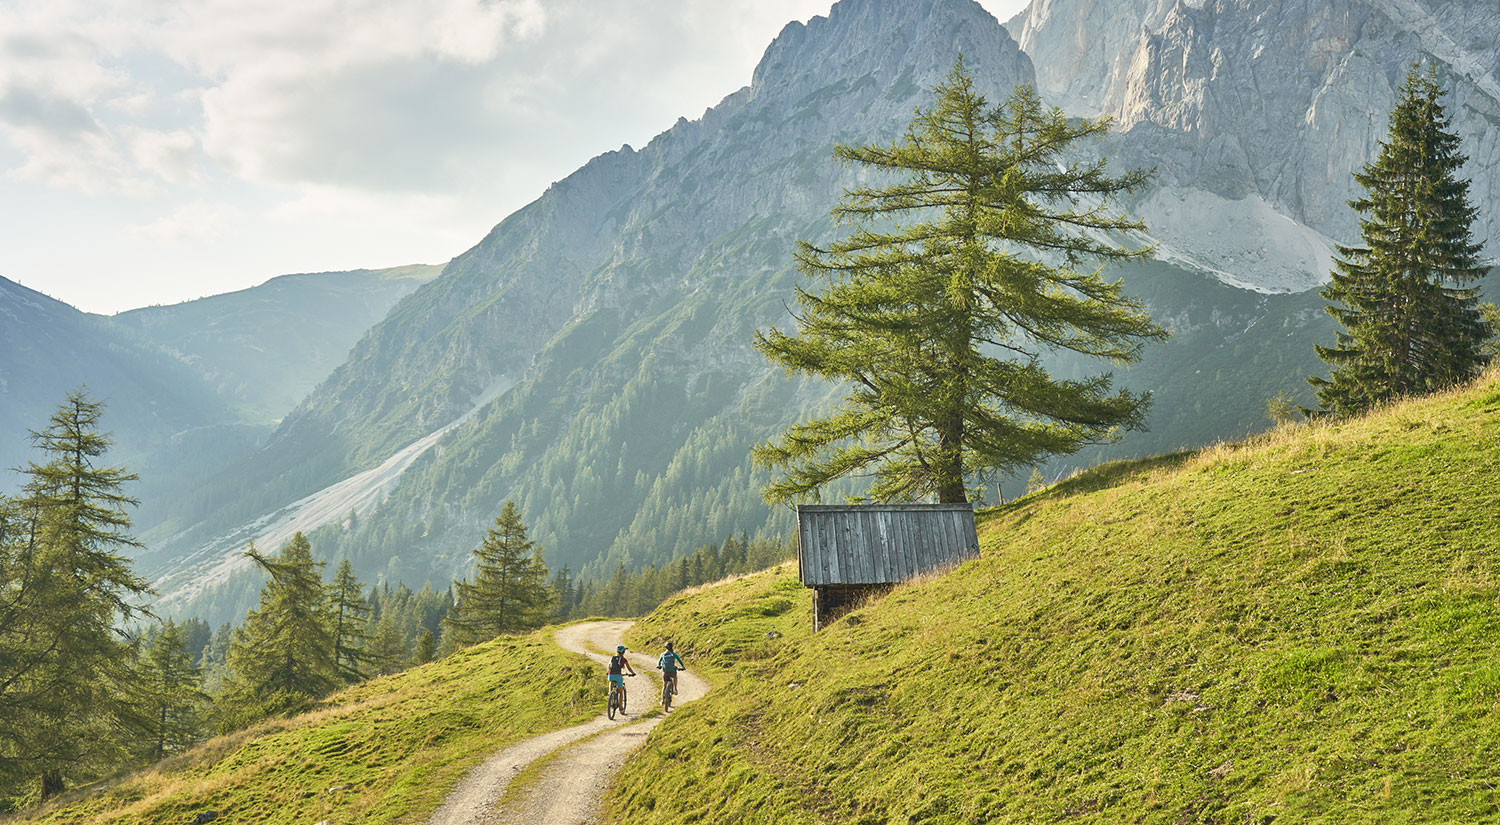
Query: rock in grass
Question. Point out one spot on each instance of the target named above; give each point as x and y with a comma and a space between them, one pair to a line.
204, 816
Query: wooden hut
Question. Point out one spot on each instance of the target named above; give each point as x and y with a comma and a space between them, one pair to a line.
846, 552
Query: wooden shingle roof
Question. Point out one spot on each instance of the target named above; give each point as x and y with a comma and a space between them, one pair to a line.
881, 543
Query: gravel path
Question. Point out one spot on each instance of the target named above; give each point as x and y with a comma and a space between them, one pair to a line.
572, 786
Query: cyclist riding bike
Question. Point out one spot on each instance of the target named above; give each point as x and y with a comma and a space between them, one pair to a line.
669, 664
618, 667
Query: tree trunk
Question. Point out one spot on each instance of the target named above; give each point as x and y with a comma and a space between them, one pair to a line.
52, 784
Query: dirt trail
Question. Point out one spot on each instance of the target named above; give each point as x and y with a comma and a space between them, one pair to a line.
572, 785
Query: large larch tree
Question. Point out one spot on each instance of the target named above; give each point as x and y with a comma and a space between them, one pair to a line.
939, 305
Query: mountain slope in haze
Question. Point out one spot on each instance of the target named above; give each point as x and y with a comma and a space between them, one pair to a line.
266, 347
155, 406
189, 388
1299, 628
1257, 112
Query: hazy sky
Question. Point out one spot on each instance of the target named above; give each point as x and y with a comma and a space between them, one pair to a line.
157, 152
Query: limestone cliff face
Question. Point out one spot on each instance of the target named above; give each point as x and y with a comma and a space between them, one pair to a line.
1278, 100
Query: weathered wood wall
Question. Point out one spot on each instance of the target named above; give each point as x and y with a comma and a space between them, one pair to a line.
881, 544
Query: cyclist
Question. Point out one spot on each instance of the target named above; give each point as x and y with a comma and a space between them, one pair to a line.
669, 664
618, 667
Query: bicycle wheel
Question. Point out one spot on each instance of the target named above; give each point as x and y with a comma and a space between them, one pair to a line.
666, 694
614, 699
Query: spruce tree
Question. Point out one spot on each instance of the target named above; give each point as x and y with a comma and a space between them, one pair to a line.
1410, 314
426, 649
65, 588
509, 593
169, 689
387, 647
564, 592
282, 656
350, 614
977, 250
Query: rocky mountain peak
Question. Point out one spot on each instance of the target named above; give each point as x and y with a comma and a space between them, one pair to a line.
886, 40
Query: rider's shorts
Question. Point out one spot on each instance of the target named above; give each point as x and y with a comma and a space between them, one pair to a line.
618, 678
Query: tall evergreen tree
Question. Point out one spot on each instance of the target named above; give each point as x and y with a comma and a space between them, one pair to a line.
1405, 299
65, 587
350, 613
564, 591
509, 593
977, 250
282, 656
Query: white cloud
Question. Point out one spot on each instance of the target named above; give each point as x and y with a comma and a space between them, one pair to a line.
194, 222
169, 155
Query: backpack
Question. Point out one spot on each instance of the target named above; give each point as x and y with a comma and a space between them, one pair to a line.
668, 662
615, 664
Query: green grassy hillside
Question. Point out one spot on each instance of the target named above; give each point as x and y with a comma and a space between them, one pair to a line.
1301, 628
385, 751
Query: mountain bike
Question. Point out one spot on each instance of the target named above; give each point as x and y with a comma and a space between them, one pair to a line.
668, 690
616, 698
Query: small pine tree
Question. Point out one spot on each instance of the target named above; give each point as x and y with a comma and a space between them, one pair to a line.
509, 593
1281, 408
1037, 482
426, 649
282, 656
1410, 315
387, 647
564, 592
1491, 314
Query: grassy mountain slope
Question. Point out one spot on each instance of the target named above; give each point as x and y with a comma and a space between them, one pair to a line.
1299, 628
392, 747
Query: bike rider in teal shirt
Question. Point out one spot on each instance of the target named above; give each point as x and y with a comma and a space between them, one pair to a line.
669, 664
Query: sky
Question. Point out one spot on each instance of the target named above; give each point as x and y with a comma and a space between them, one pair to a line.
152, 152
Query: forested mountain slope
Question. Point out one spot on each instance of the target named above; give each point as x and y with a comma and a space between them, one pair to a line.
1298, 628
190, 387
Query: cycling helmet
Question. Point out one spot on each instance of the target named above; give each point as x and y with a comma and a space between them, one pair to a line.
669, 646
619, 648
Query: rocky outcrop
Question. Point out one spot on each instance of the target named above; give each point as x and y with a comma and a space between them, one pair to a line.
1277, 101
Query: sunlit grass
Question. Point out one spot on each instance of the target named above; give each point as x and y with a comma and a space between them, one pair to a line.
385, 751
1302, 627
